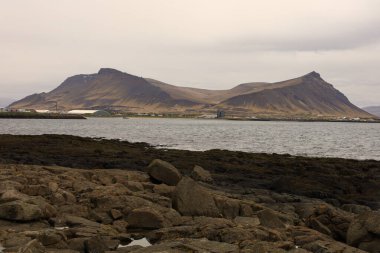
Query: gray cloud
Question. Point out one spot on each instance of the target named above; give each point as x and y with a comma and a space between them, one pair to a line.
210, 44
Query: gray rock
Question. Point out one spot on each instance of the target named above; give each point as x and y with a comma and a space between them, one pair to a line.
164, 172
200, 174
191, 199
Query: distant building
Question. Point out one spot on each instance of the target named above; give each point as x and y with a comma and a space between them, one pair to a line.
42, 111
96, 113
220, 114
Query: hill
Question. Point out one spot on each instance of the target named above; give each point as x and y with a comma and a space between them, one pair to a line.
306, 96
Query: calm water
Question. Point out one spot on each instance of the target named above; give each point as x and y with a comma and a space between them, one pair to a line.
349, 140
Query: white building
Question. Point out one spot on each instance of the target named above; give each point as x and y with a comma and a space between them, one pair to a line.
100, 113
42, 111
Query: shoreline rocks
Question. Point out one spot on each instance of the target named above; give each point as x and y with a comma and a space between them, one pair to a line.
68, 210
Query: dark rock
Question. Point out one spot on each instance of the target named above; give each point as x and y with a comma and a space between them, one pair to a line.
51, 237
191, 199
77, 244
116, 214
190, 245
95, 245
20, 211
79, 221
247, 221
164, 172
357, 209
270, 219
146, 217
364, 232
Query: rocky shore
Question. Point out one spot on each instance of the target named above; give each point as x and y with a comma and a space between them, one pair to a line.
72, 194
31, 115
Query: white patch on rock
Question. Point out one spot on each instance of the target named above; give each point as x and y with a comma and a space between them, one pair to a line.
61, 228
141, 242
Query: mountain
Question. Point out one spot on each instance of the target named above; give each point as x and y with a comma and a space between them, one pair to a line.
375, 110
306, 96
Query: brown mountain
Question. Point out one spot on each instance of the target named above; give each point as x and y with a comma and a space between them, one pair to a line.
308, 96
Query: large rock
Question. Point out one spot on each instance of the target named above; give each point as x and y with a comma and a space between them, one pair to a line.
190, 245
270, 218
191, 199
33, 246
20, 211
164, 172
95, 245
146, 217
357, 209
364, 232
79, 221
200, 174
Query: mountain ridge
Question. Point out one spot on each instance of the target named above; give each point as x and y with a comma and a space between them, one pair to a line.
308, 95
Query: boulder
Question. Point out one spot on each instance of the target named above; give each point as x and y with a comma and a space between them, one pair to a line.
146, 217
79, 221
330, 246
16, 240
12, 195
190, 245
134, 186
357, 209
164, 172
51, 237
200, 174
116, 214
191, 199
270, 218
247, 221
33, 246
229, 208
95, 245
164, 190
364, 232
20, 211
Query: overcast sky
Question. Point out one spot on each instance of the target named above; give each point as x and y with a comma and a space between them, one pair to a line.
213, 44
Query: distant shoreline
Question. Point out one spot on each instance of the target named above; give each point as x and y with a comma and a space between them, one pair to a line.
28, 115
257, 119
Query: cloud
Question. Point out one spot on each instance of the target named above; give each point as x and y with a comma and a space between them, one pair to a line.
210, 44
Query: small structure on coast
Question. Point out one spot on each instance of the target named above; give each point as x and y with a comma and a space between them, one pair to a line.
95, 113
220, 114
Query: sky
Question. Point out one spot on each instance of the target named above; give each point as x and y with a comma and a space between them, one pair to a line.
214, 44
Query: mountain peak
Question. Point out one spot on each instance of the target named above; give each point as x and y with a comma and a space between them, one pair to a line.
313, 74
107, 71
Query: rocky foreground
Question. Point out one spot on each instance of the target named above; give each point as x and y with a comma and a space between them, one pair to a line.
49, 208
